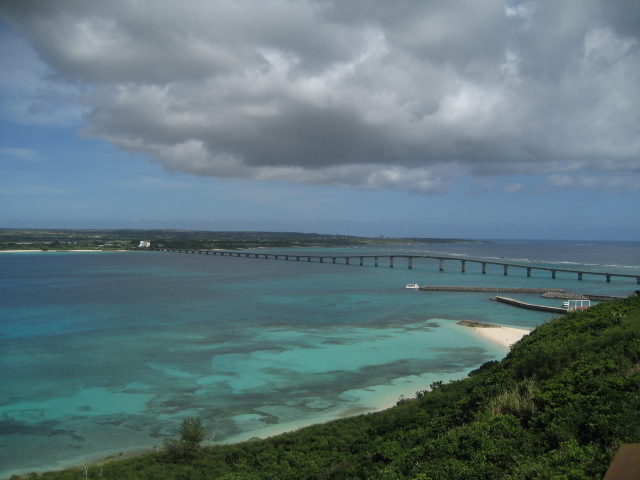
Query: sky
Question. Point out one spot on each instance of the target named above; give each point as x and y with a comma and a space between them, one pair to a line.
453, 119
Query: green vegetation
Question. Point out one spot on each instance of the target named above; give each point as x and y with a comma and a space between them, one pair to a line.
191, 436
557, 407
15, 239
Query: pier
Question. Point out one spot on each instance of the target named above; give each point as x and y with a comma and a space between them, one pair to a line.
530, 306
360, 260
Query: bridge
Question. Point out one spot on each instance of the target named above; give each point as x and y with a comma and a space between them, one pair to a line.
346, 260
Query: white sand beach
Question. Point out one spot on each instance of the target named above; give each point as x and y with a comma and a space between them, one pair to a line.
503, 336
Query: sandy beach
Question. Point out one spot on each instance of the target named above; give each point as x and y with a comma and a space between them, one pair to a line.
503, 336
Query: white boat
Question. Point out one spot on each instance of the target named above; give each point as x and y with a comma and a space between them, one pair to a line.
412, 285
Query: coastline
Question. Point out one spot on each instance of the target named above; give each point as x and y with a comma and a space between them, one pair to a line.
382, 397
59, 251
362, 401
504, 337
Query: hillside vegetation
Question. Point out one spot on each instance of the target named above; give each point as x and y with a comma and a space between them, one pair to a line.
558, 406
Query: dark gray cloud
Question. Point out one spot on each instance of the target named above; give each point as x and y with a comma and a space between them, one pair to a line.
406, 95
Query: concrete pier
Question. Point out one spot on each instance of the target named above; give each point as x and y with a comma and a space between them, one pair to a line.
531, 306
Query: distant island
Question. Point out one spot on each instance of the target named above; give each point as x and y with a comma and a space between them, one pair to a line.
74, 240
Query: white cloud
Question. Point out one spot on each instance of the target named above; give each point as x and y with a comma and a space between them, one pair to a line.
23, 154
515, 187
412, 96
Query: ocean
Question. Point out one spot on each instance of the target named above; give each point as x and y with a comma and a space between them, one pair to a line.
104, 353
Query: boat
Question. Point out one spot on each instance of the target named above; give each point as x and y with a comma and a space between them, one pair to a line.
572, 305
412, 285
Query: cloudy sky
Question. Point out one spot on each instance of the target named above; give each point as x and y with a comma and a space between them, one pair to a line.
468, 118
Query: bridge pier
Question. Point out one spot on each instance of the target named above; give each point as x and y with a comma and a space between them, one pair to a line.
579, 275
553, 274
347, 260
528, 271
410, 263
376, 260
442, 264
608, 278
391, 262
297, 258
463, 266
334, 259
506, 270
484, 267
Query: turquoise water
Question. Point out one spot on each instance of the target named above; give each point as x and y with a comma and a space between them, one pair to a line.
104, 353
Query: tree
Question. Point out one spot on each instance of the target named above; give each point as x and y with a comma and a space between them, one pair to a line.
192, 434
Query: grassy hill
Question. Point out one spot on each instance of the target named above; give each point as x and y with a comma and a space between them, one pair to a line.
558, 406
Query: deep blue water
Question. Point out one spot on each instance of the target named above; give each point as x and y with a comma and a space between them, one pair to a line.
102, 353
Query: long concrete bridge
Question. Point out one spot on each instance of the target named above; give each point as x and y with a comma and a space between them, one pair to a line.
346, 260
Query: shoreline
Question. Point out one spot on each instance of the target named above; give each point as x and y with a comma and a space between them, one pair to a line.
369, 399
504, 337
61, 251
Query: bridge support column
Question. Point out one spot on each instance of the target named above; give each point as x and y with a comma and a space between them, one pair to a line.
579, 275
528, 271
334, 259
638, 280
321, 259
391, 262
442, 264
308, 259
361, 261
410, 263
464, 266
608, 278
347, 260
484, 267
297, 258
553, 274
376, 260
506, 270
